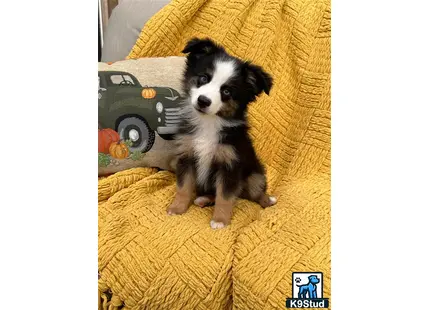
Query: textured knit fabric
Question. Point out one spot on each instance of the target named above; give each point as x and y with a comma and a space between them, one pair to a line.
148, 260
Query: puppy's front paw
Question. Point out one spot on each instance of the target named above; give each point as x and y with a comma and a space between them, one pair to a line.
177, 208
217, 225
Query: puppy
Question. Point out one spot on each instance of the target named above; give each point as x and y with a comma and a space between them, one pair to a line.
216, 158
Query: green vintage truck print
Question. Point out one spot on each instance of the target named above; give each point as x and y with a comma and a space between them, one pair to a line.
136, 112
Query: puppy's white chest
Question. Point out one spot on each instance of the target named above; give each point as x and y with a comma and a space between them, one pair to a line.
205, 142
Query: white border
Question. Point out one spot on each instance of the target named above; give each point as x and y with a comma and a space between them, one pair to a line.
102, 22
381, 157
48, 200
380, 197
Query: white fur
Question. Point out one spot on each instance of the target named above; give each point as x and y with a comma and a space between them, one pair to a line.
217, 225
223, 71
206, 139
272, 200
205, 142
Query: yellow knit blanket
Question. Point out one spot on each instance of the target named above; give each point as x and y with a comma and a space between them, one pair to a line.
148, 260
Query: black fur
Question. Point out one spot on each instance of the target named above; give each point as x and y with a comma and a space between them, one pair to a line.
249, 82
184, 166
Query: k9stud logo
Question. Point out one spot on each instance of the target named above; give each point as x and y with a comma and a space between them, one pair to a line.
307, 291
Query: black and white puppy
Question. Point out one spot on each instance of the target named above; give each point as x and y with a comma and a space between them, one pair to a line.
216, 158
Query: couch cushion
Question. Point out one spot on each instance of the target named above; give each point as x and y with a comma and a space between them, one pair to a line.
124, 26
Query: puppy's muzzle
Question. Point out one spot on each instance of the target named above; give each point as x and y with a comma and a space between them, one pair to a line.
203, 102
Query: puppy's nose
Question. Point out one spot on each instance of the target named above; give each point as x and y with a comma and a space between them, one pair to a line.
203, 101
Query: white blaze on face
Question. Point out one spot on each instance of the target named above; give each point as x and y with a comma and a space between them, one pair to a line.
223, 71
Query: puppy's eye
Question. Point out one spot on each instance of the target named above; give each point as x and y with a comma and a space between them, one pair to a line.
203, 79
226, 92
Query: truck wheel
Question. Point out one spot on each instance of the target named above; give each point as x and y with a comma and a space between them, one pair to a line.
138, 132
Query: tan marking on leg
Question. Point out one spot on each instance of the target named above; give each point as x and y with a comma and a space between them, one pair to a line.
225, 154
223, 212
223, 209
255, 185
184, 196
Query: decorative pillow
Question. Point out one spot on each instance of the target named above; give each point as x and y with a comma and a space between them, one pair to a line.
138, 113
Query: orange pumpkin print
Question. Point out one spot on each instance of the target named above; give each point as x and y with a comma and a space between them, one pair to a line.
148, 93
118, 150
107, 136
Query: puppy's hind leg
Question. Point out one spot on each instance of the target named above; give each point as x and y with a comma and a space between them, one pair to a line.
203, 201
255, 190
267, 201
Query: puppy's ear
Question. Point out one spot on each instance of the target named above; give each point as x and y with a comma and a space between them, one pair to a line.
259, 79
201, 46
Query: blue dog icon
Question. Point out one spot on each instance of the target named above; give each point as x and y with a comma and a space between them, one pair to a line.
309, 290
